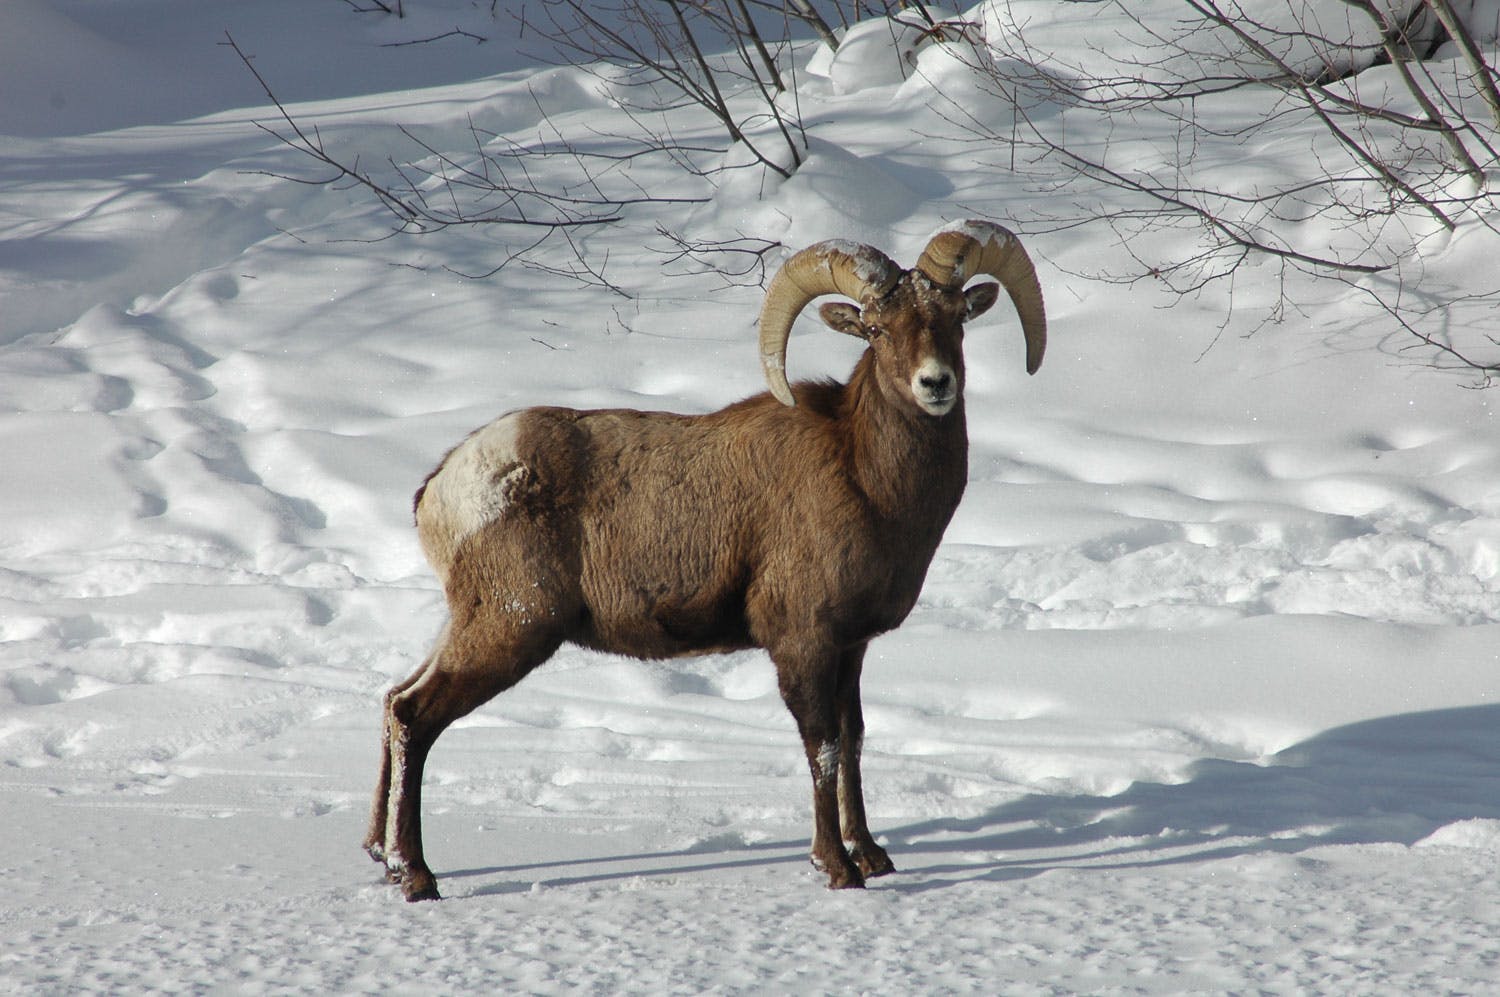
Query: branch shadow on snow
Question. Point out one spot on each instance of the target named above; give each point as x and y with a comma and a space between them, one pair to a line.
1391, 780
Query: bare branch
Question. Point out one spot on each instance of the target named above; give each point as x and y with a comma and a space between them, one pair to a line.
738, 262
666, 50
1393, 150
490, 186
1483, 74
455, 33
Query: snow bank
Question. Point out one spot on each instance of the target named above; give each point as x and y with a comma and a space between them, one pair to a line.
1209, 648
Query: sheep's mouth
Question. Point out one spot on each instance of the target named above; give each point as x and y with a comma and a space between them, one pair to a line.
938, 404
934, 385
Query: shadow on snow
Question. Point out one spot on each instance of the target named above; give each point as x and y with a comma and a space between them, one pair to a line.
1393, 780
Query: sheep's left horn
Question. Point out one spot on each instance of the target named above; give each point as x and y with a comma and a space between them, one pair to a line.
852, 269
977, 247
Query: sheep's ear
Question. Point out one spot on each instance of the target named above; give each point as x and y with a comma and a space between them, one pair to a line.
979, 299
843, 317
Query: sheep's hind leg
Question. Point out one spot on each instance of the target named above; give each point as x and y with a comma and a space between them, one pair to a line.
374, 843
871, 859
472, 665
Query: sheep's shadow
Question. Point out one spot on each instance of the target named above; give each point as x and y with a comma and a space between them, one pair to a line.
1394, 779
646, 865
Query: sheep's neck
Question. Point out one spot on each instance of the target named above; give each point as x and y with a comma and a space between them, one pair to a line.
911, 466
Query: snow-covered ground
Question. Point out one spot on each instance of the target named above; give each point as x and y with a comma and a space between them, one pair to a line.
1203, 693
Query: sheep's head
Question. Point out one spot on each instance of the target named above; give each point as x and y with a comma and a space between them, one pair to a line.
912, 319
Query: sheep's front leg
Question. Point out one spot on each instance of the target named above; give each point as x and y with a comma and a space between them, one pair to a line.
809, 681
871, 859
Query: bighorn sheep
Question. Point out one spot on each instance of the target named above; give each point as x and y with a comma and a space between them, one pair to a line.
800, 521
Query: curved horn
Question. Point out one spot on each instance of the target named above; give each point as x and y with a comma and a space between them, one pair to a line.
835, 267
978, 247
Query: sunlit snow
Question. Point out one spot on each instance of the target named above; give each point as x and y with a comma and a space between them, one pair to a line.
1202, 693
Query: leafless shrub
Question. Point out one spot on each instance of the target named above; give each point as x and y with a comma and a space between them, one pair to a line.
1407, 145
658, 57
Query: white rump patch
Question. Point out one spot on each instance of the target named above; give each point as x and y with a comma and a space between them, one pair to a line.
475, 485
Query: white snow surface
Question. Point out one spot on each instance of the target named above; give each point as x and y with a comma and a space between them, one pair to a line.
1201, 694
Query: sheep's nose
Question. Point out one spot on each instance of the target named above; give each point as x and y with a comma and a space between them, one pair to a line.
937, 384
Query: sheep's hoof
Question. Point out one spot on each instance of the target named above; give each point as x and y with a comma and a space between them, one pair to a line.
873, 861
422, 887
843, 875
850, 879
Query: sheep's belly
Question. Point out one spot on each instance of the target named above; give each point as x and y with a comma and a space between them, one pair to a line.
651, 626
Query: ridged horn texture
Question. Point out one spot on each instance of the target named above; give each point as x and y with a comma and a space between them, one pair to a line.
974, 247
835, 267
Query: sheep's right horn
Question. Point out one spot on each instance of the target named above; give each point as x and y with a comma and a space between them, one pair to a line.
976, 247
852, 269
